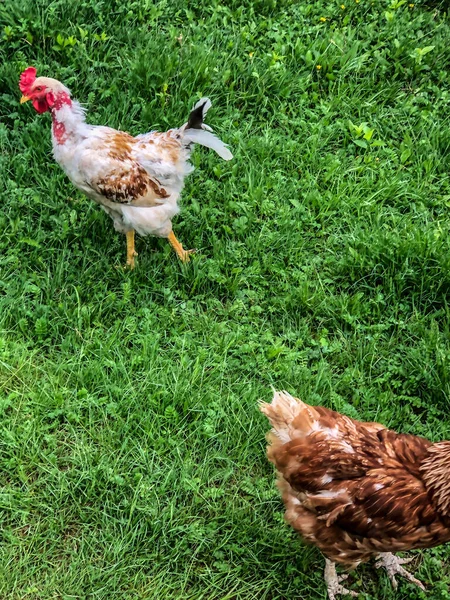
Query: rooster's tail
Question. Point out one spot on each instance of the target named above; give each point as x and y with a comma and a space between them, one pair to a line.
197, 132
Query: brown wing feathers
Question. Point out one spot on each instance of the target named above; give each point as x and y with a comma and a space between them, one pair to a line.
127, 181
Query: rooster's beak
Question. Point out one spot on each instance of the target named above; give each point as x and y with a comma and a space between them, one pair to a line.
24, 99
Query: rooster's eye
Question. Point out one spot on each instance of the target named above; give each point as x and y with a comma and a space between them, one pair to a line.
39, 89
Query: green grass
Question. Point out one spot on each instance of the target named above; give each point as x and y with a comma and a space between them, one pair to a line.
132, 453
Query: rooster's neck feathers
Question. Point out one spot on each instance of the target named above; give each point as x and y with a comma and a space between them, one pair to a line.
68, 118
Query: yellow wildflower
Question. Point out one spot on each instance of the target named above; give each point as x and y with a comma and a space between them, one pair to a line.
343, 6
251, 54
411, 5
318, 67
323, 19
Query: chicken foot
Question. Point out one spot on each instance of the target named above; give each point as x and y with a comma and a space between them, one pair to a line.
333, 581
393, 565
131, 252
183, 254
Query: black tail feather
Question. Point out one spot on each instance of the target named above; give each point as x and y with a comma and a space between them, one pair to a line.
195, 120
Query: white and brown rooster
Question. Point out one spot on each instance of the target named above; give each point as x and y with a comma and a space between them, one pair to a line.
358, 490
136, 180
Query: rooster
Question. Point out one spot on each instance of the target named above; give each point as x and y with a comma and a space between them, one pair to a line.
136, 180
358, 490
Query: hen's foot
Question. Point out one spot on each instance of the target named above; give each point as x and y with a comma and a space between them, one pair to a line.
183, 255
393, 565
333, 582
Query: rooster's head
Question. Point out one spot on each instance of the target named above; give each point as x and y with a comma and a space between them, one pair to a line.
42, 91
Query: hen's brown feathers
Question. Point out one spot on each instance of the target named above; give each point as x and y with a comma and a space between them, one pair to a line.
356, 489
435, 469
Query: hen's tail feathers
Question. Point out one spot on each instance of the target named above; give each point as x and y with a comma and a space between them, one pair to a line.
282, 411
197, 132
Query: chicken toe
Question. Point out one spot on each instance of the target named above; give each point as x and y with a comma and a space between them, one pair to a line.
333, 582
182, 254
393, 565
131, 252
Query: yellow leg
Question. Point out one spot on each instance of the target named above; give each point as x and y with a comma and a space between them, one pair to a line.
183, 254
131, 252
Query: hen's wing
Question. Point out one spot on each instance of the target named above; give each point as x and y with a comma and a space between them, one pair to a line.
355, 474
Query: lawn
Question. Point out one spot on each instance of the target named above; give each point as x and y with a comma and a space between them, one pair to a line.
132, 453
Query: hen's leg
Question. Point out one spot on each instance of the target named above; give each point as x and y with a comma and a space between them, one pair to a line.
333, 581
183, 254
131, 252
393, 565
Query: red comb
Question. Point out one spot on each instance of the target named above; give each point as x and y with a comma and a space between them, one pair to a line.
26, 79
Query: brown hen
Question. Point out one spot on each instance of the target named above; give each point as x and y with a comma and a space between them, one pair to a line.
357, 490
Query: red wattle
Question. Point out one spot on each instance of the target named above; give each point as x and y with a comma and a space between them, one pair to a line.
40, 104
